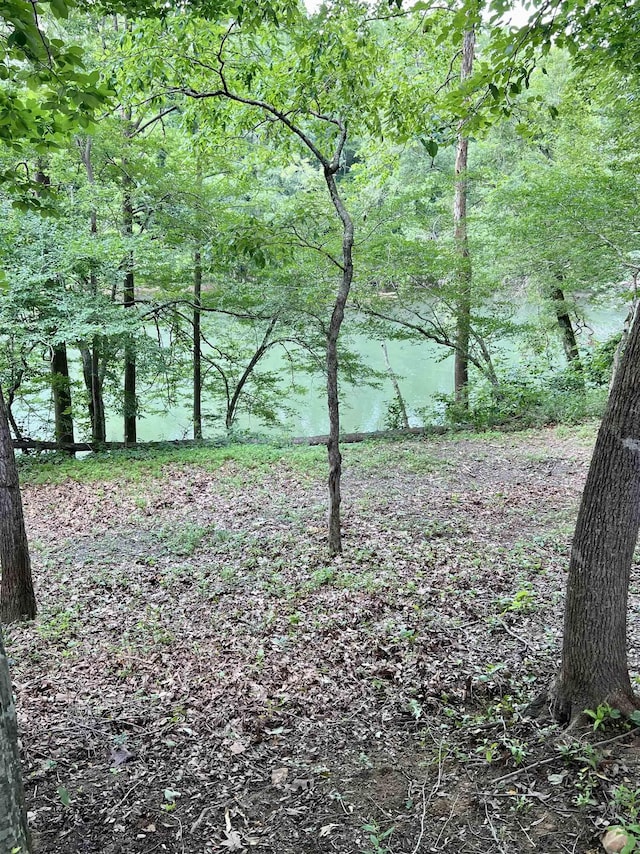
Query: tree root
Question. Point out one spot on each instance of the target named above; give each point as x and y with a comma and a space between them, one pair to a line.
552, 704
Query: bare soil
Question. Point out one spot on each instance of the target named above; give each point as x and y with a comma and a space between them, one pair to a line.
201, 678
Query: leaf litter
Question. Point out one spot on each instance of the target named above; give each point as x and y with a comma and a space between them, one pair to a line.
202, 678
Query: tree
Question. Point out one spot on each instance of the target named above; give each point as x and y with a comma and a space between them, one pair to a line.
17, 599
594, 652
463, 308
594, 666
321, 128
14, 833
63, 95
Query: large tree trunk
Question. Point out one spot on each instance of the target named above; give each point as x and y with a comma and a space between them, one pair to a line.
594, 653
14, 834
197, 345
333, 400
61, 388
463, 307
17, 599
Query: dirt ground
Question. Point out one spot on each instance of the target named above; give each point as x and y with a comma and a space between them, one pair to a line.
201, 678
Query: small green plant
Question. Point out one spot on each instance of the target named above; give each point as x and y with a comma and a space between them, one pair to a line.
522, 602
321, 577
602, 715
61, 625
185, 541
490, 750
627, 801
415, 708
517, 749
377, 838
64, 796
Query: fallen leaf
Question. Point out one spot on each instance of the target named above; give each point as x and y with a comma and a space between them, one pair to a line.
233, 841
279, 776
326, 830
120, 755
237, 747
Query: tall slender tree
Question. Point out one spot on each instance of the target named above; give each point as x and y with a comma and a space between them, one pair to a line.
464, 302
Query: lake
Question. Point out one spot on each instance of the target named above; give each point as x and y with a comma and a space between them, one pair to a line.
421, 370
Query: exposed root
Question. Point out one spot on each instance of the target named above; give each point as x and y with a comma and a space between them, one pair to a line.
555, 705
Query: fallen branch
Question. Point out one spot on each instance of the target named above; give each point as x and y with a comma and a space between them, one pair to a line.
348, 438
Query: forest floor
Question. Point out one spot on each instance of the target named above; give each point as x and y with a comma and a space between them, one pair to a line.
201, 678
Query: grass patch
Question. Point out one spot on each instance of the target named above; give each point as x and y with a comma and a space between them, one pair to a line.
140, 464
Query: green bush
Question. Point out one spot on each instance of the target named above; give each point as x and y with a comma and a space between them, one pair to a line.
526, 399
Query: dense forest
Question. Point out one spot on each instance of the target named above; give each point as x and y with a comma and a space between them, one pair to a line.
217, 212
185, 245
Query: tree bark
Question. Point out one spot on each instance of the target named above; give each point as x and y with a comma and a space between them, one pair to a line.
197, 345
91, 356
130, 403
61, 388
567, 333
463, 308
17, 599
93, 384
333, 400
14, 833
594, 653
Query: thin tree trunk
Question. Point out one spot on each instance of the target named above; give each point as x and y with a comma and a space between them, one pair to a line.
17, 599
61, 387
396, 388
197, 345
11, 393
60, 383
128, 299
330, 168
567, 333
333, 401
594, 653
262, 349
463, 308
93, 384
91, 357
99, 420
14, 834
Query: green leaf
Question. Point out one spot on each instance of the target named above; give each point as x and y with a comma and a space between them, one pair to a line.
430, 145
60, 8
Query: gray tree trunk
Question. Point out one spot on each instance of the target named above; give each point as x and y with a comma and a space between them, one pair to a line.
17, 599
61, 387
197, 345
463, 308
567, 332
333, 399
14, 834
594, 654
130, 399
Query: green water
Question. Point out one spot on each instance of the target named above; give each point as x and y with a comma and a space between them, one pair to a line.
422, 373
